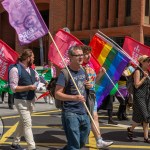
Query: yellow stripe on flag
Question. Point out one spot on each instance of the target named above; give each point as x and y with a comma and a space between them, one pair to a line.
104, 53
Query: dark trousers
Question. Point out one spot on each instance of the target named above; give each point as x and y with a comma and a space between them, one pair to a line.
3, 94
10, 99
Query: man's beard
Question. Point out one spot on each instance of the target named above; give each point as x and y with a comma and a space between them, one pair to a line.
30, 63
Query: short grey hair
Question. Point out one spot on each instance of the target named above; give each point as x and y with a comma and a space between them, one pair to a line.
73, 48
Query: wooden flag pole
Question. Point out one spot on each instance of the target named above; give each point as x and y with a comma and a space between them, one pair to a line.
74, 83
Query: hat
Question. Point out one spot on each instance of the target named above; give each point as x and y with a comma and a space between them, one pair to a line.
143, 58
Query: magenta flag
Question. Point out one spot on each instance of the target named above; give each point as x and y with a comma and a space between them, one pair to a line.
26, 19
135, 48
7, 56
64, 41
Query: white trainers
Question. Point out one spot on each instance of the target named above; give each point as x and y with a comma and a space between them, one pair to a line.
103, 144
51, 101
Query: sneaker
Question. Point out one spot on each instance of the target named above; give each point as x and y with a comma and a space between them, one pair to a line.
16, 147
51, 101
103, 144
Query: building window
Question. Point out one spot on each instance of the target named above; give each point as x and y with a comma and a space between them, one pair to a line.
117, 5
128, 8
107, 10
147, 40
85, 41
118, 40
147, 8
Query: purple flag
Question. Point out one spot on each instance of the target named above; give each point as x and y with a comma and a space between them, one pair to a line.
26, 19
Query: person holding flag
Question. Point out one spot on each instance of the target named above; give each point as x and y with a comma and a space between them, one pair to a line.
75, 120
24, 94
92, 77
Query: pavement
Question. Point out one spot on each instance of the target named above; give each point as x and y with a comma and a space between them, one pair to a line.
40, 106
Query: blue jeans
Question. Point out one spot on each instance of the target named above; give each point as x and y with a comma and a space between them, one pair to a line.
77, 128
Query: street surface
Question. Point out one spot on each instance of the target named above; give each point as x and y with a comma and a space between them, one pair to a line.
49, 135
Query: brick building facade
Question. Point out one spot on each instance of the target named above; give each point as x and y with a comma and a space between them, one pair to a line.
115, 18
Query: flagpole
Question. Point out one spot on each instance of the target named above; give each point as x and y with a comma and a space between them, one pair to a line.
74, 82
121, 50
114, 85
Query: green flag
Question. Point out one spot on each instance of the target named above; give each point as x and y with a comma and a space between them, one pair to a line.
4, 87
46, 73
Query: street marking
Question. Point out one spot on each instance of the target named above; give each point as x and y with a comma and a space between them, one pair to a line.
130, 146
91, 147
92, 141
37, 144
34, 113
115, 127
100, 116
8, 133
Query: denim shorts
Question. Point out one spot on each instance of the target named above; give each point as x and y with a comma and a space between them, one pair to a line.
95, 107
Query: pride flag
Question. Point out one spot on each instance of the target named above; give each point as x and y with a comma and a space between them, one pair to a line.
112, 59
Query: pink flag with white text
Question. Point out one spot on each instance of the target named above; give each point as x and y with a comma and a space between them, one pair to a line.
25, 18
135, 48
7, 56
64, 41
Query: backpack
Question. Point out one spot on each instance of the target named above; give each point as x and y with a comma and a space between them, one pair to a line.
130, 83
52, 85
19, 70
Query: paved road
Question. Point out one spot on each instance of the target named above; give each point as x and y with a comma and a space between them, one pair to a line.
48, 131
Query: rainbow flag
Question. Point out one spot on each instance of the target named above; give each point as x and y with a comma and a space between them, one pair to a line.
112, 59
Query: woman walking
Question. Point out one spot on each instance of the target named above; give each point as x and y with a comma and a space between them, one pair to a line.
141, 98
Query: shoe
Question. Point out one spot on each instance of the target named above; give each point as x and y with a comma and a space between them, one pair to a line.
3, 102
130, 133
119, 116
147, 140
51, 101
103, 144
124, 117
16, 147
112, 122
11, 107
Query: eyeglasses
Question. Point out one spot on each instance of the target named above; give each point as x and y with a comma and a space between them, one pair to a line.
81, 55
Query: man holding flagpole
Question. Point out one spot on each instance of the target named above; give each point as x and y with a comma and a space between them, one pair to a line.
24, 87
75, 120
